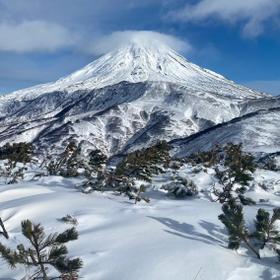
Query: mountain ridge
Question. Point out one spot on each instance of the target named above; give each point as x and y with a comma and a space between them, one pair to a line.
233, 131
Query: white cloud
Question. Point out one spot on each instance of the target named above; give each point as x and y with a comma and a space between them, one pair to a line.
253, 14
42, 36
121, 38
32, 36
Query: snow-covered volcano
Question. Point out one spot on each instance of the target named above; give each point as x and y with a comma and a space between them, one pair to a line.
124, 100
137, 63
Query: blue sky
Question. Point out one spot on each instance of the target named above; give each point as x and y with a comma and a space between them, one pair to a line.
41, 41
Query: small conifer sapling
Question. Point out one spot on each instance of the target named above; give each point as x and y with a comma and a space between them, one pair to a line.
44, 252
233, 219
266, 229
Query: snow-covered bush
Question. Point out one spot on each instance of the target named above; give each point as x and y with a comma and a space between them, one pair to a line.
234, 170
96, 162
12, 171
68, 219
137, 195
109, 181
207, 158
143, 164
72, 162
17, 152
197, 169
270, 162
181, 187
14, 158
175, 164
67, 163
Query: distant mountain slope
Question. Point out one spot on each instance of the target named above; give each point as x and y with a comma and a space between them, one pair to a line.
258, 131
126, 100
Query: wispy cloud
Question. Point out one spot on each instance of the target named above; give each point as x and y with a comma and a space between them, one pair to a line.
252, 14
33, 36
120, 38
43, 36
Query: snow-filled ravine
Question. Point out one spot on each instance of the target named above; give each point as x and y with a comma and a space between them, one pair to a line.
165, 239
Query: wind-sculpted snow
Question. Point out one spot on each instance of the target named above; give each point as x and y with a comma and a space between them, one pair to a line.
125, 100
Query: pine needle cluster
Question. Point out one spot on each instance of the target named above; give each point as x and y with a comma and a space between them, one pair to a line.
44, 252
265, 233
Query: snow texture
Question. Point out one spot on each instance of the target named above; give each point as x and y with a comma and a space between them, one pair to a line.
164, 239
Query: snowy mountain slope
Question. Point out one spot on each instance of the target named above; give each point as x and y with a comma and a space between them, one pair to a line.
136, 63
117, 117
258, 132
125, 100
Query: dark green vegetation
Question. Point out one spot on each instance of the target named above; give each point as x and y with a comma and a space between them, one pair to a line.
181, 187
15, 157
266, 232
17, 152
145, 163
234, 171
45, 251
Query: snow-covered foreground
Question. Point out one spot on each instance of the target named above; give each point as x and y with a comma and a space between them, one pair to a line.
165, 239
